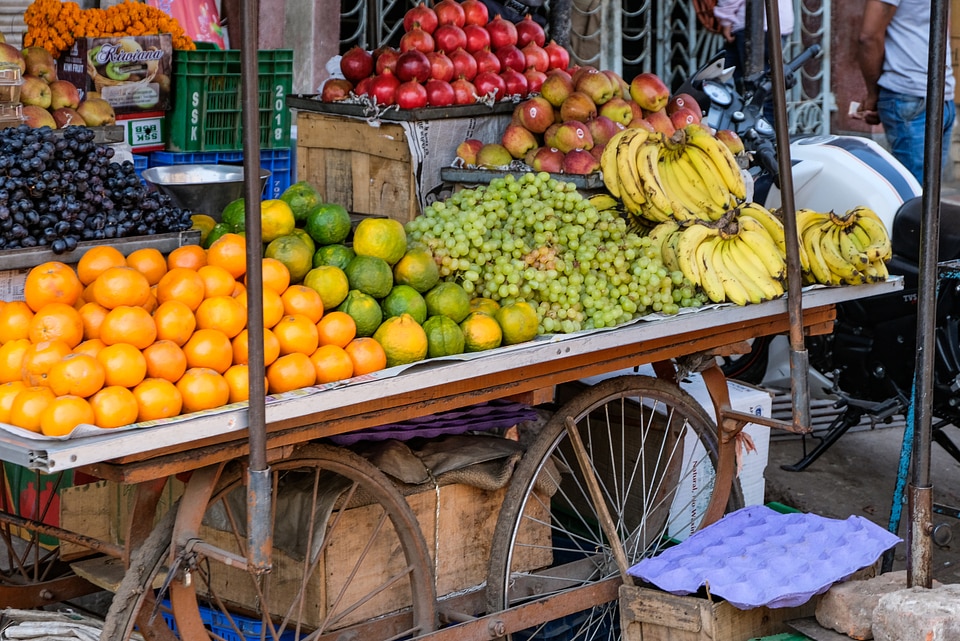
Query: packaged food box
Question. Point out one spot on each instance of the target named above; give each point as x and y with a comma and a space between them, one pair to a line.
132, 73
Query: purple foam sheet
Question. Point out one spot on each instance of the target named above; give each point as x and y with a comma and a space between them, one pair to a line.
496, 414
757, 556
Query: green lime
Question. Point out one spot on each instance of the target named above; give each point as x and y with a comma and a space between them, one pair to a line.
337, 255
328, 223
448, 299
218, 230
330, 282
364, 310
381, 237
305, 237
417, 269
404, 299
444, 337
292, 252
370, 275
234, 215
302, 198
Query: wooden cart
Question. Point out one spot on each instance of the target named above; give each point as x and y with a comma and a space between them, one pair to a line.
362, 568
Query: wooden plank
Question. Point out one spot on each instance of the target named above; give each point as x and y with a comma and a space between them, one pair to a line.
346, 134
107, 573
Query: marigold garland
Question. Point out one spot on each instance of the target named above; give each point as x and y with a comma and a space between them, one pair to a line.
56, 25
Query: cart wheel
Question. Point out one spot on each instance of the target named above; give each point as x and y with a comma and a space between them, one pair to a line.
347, 553
634, 429
752, 366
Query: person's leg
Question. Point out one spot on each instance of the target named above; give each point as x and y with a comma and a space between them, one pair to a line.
904, 121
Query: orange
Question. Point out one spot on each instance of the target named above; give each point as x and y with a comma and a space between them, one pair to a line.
297, 333
300, 299
51, 282
238, 379
15, 321
165, 360
189, 256
118, 286
241, 347
132, 325
123, 363
272, 306
90, 346
403, 340
97, 260
65, 413
28, 405
150, 262
157, 398
332, 364
92, 315
217, 281
367, 355
336, 328
39, 358
239, 288
202, 389
76, 374
225, 313
230, 252
11, 359
275, 275
57, 321
114, 406
290, 372
209, 348
175, 321
152, 301
8, 392
181, 284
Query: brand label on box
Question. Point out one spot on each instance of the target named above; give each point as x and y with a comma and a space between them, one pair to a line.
144, 133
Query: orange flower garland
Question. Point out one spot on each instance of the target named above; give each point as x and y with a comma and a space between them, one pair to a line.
56, 25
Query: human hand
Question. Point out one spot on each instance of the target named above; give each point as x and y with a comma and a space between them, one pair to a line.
866, 111
727, 32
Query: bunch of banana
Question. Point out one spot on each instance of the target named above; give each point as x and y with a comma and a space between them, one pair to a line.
734, 260
689, 176
848, 249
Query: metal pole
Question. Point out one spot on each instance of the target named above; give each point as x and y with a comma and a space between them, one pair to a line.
799, 362
259, 534
920, 494
753, 30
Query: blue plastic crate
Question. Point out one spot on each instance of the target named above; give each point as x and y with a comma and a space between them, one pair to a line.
140, 162
278, 161
223, 628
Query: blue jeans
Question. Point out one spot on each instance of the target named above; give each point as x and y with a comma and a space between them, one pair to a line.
904, 121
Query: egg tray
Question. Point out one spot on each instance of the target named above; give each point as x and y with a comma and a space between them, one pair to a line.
757, 556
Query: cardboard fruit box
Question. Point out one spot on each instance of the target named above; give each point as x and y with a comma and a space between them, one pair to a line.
132, 73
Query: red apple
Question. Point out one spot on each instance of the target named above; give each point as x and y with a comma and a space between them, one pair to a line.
649, 91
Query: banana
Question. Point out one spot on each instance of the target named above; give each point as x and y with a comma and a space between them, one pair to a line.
770, 222
673, 186
864, 211
807, 218
608, 162
859, 236
709, 276
748, 262
876, 272
627, 173
811, 243
603, 202
755, 293
763, 246
690, 238
669, 251
733, 289
647, 162
708, 172
694, 189
830, 250
659, 234
721, 156
879, 247
849, 250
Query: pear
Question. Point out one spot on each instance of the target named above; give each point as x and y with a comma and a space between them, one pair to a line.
97, 112
493, 155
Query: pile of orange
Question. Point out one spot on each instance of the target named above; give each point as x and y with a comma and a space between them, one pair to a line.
119, 340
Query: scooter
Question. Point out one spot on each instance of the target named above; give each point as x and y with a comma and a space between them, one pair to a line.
867, 364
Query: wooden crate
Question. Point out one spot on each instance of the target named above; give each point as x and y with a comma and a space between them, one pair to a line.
652, 615
366, 169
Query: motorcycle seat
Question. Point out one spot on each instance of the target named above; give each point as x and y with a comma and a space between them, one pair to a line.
905, 237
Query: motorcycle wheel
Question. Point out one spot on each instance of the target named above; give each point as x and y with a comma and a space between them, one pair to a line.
750, 367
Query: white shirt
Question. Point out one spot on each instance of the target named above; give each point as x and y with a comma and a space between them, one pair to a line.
734, 14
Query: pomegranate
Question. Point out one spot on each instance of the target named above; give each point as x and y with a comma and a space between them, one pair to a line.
439, 93
413, 65
534, 79
420, 16
529, 31
515, 83
383, 88
449, 37
536, 57
559, 57
511, 58
356, 64
487, 61
411, 95
417, 39
475, 13
463, 91
363, 87
449, 12
335, 89
490, 83
464, 64
502, 33
441, 67
387, 60
477, 37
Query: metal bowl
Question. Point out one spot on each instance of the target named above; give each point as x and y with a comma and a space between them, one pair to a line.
202, 189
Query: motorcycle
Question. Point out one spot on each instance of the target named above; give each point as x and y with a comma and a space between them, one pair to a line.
866, 365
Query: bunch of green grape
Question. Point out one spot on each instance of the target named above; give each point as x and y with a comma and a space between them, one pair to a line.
537, 239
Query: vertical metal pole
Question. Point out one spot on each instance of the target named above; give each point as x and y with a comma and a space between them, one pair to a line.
920, 492
611, 35
799, 362
259, 534
753, 30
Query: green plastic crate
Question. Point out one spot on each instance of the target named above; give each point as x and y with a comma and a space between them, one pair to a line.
206, 91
